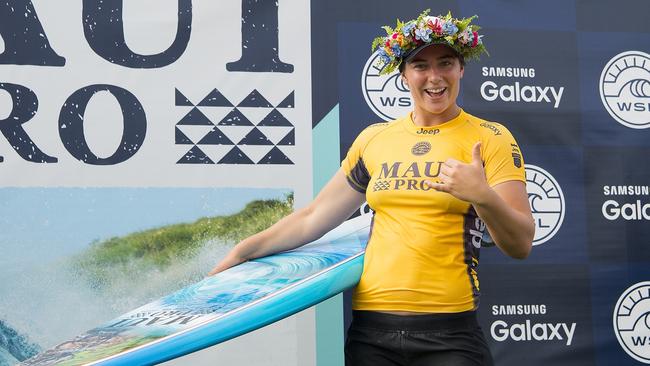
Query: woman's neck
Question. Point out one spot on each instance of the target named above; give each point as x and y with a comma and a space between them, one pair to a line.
425, 119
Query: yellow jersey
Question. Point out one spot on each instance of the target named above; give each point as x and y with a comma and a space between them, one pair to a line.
423, 251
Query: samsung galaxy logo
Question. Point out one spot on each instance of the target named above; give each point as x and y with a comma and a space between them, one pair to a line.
521, 309
626, 190
612, 210
530, 331
517, 92
510, 72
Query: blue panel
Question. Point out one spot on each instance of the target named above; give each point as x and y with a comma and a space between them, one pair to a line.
601, 127
613, 16
609, 283
533, 90
539, 15
617, 195
546, 322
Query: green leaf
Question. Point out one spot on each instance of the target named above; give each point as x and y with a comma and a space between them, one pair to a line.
376, 42
388, 30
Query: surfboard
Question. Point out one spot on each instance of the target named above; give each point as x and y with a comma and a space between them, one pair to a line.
218, 308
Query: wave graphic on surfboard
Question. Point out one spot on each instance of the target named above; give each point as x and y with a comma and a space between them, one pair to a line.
218, 308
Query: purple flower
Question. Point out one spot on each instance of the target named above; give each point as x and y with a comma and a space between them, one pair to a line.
397, 51
383, 56
449, 28
423, 34
408, 27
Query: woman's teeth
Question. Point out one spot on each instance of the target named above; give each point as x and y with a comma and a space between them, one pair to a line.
435, 91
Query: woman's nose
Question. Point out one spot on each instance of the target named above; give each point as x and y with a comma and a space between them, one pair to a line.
434, 75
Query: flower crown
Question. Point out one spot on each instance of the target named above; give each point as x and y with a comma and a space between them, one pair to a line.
400, 42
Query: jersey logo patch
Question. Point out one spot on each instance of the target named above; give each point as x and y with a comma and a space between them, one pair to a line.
381, 185
516, 155
492, 128
421, 148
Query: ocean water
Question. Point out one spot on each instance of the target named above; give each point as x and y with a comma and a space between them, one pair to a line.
45, 299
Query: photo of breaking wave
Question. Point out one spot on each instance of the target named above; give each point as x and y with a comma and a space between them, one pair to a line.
55, 290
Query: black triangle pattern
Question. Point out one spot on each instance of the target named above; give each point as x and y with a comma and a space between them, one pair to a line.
255, 137
255, 99
195, 156
235, 156
288, 102
235, 118
182, 100
275, 119
215, 99
275, 156
289, 139
181, 139
215, 137
195, 117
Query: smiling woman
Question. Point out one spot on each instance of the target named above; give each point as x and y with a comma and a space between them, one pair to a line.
433, 76
420, 278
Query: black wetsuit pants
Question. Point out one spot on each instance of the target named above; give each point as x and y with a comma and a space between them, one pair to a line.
380, 339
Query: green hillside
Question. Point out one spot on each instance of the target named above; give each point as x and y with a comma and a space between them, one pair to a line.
163, 246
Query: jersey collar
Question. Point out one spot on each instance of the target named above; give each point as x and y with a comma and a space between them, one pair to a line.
409, 125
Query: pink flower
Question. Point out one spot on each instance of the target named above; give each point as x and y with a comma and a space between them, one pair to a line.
464, 37
474, 39
435, 24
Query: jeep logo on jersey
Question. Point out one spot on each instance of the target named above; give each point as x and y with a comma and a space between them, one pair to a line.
625, 89
386, 95
546, 202
632, 321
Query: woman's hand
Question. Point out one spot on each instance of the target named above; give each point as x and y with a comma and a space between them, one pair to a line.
230, 260
504, 208
465, 181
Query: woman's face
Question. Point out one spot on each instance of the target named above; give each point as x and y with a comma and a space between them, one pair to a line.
433, 76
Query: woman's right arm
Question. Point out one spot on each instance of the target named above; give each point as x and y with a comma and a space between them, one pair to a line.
333, 205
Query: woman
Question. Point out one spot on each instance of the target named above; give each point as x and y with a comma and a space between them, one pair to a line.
435, 179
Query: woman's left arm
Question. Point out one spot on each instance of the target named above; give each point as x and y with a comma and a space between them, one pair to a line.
506, 212
504, 208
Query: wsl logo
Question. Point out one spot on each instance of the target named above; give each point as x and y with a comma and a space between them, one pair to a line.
632, 321
546, 202
386, 95
625, 89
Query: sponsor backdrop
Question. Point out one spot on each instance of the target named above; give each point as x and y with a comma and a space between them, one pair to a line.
123, 122
571, 81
